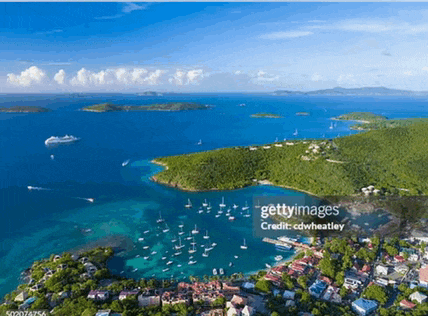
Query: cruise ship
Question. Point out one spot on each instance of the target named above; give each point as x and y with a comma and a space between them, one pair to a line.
60, 140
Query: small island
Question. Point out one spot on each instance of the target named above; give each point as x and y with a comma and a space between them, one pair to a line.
24, 109
172, 106
303, 113
266, 115
150, 94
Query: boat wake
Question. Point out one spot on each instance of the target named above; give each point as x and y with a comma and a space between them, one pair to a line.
31, 188
38, 188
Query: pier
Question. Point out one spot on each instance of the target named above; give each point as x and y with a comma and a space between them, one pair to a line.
295, 244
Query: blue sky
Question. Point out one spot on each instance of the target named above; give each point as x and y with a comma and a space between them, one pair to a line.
198, 47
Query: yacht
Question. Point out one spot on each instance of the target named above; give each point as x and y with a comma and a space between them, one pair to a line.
192, 262
213, 244
177, 253
165, 270
205, 254
205, 204
217, 215
231, 218
195, 231
160, 219
141, 239
236, 257
214, 271
206, 235
200, 211
163, 258
220, 212
146, 258
193, 250
165, 230
193, 242
125, 163
278, 258
169, 262
189, 204
246, 207
146, 247
178, 265
331, 126
174, 239
153, 253
52, 157
200, 142
179, 246
268, 265
181, 232
53, 140
221, 271
235, 206
222, 203
230, 264
146, 232
244, 246
181, 226
189, 237
296, 132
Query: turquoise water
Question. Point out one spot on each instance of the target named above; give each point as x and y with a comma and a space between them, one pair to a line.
40, 222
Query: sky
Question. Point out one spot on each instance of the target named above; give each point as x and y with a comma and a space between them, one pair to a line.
211, 47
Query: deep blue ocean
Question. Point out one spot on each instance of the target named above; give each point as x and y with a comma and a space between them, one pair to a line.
36, 223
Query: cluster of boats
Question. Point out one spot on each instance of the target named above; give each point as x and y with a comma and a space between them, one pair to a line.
207, 208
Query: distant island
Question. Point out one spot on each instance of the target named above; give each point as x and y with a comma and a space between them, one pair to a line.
370, 121
303, 113
266, 115
365, 91
150, 94
24, 109
172, 106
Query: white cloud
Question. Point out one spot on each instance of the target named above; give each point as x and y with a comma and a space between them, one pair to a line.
86, 77
285, 35
408, 73
50, 32
60, 77
316, 77
27, 77
153, 77
425, 68
129, 7
263, 76
181, 77
317, 21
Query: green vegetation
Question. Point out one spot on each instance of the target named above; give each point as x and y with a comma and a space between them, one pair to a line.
393, 160
24, 109
266, 115
361, 116
172, 106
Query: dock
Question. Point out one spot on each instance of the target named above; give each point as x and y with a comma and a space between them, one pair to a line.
295, 244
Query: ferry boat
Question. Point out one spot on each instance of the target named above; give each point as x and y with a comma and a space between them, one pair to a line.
125, 163
53, 140
287, 239
222, 202
244, 246
214, 271
195, 231
189, 204
205, 204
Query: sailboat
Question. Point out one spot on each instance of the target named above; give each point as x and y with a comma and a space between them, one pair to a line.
189, 204
206, 235
165, 230
258, 204
189, 237
295, 132
179, 246
244, 246
195, 231
200, 142
248, 214
200, 211
205, 204
222, 203
193, 242
193, 250
331, 126
209, 206
246, 207
181, 232
205, 254
235, 206
125, 163
160, 219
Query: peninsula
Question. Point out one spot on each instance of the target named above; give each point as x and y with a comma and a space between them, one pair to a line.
171, 106
364, 91
266, 115
391, 161
24, 109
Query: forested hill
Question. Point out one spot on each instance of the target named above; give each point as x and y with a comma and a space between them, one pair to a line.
393, 160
